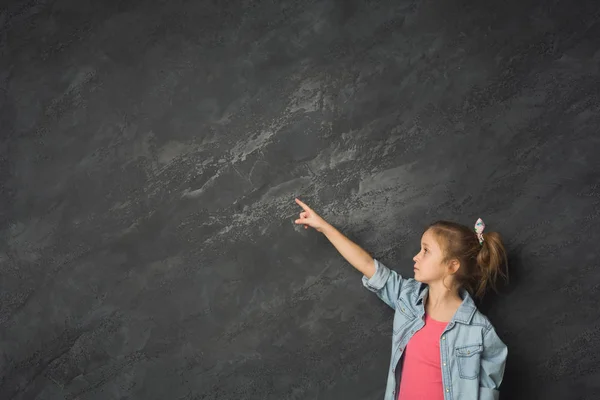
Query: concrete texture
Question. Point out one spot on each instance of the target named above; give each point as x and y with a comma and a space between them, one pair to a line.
150, 153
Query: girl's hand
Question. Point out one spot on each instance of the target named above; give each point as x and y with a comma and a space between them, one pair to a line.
310, 218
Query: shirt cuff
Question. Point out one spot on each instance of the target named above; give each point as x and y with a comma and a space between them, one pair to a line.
379, 278
488, 393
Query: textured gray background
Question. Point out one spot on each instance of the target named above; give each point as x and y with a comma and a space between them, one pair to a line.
150, 154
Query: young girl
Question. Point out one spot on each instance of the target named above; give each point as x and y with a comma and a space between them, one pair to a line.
442, 346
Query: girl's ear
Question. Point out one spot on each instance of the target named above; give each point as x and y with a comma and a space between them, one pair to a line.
453, 266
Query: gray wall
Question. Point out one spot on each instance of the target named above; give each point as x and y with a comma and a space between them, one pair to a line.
150, 154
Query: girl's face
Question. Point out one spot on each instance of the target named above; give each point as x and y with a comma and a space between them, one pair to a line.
428, 262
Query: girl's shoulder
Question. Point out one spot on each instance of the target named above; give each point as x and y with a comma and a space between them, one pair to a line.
482, 324
482, 320
413, 289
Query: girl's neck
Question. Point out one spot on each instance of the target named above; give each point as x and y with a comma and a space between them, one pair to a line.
442, 303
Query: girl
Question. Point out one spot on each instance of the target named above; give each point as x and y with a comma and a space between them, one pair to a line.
443, 348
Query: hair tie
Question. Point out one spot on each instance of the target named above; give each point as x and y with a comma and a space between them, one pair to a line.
479, 227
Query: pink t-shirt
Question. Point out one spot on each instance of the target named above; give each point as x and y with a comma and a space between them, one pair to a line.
421, 373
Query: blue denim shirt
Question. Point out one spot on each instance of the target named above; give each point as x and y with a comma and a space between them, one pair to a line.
472, 355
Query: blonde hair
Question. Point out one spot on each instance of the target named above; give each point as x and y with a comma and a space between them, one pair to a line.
480, 264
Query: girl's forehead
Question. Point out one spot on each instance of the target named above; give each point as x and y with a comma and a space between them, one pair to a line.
428, 239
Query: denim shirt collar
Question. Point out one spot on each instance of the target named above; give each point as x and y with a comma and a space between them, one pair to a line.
465, 311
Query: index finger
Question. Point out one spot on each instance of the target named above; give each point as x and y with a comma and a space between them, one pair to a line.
301, 204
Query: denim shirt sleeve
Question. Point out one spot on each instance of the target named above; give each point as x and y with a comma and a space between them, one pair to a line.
385, 283
493, 361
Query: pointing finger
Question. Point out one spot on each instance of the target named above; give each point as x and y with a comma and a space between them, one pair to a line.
301, 204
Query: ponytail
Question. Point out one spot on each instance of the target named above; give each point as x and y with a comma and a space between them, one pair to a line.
491, 263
